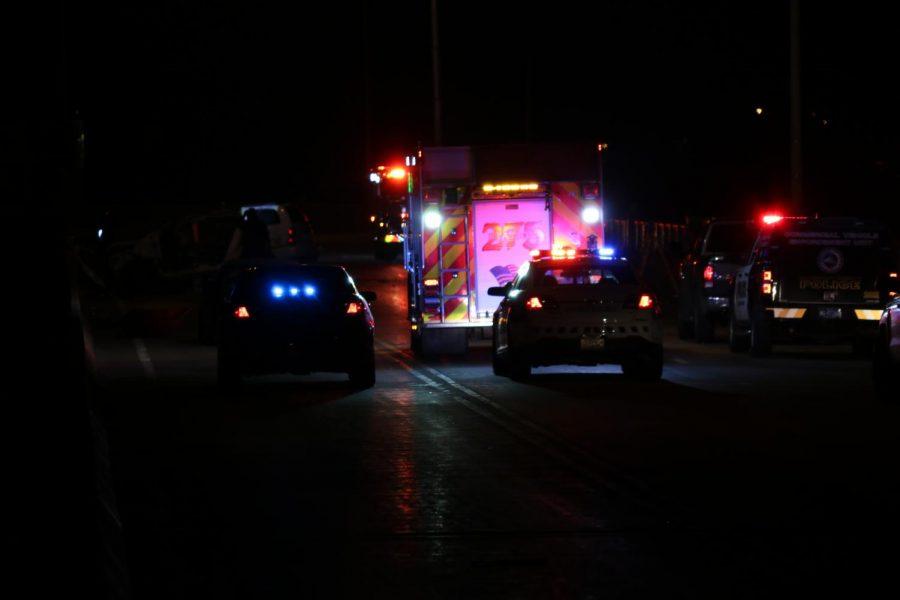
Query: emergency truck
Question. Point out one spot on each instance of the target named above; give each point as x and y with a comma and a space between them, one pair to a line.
476, 215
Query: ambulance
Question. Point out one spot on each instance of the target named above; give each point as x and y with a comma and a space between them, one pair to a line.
476, 215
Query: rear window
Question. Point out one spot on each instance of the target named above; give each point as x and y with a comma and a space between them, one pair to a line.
730, 238
583, 275
268, 216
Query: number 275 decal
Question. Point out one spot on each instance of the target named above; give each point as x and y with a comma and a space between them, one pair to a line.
506, 235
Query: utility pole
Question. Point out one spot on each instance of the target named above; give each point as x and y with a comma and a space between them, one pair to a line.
796, 111
436, 73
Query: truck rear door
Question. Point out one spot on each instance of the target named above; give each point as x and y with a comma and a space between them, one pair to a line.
505, 233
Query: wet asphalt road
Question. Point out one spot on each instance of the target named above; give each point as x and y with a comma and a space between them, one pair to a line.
735, 476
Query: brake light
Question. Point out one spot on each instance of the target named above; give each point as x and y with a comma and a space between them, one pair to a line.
645, 301
534, 303
892, 275
771, 219
708, 273
354, 308
767, 275
241, 312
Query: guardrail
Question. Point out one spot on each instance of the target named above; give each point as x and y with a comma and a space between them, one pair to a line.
655, 247
634, 234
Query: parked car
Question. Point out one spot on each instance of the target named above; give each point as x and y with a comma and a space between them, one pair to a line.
706, 277
290, 232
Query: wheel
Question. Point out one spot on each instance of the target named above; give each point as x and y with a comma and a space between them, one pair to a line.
760, 336
415, 343
863, 347
685, 330
518, 369
881, 369
647, 366
362, 376
228, 370
703, 325
498, 363
738, 340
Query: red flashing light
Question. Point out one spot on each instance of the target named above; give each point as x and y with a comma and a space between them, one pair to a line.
396, 173
771, 219
535, 253
241, 312
354, 308
767, 288
534, 303
708, 273
767, 275
645, 301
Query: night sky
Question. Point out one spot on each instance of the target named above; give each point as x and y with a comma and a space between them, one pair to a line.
241, 101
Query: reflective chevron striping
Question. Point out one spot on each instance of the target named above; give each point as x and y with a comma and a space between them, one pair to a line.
788, 313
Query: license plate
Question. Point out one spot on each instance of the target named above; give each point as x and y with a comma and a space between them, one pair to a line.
830, 313
593, 343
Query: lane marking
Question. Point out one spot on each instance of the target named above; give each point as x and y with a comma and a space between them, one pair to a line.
574, 457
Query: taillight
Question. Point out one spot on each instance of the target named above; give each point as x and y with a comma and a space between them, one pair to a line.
708, 273
645, 302
767, 282
241, 312
534, 303
355, 307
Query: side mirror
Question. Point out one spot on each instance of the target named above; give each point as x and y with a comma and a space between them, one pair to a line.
370, 297
500, 291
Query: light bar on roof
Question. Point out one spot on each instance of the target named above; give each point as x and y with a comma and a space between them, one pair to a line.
509, 187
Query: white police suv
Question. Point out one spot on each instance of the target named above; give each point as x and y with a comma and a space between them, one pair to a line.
576, 307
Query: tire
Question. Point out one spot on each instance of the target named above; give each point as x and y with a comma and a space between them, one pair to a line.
703, 326
498, 363
882, 369
644, 367
518, 369
415, 343
738, 340
760, 336
362, 375
685, 330
228, 370
864, 347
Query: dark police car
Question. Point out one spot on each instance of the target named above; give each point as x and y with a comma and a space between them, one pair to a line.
812, 279
289, 318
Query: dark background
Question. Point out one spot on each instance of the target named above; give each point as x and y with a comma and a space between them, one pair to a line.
190, 103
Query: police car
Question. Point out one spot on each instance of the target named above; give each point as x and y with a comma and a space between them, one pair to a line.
289, 318
576, 307
822, 280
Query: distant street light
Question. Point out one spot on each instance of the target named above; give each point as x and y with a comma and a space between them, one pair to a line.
759, 110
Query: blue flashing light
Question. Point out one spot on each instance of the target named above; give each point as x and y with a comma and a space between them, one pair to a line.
309, 291
607, 252
278, 291
294, 291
